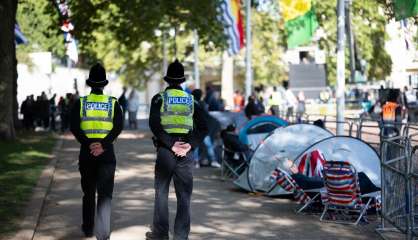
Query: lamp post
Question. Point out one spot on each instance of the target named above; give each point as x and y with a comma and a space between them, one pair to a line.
248, 53
340, 66
196, 59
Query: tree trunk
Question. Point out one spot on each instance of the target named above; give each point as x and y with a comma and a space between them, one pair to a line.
7, 67
17, 123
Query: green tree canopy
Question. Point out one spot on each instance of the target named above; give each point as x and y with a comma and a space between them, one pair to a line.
368, 25
38, 25
123, 33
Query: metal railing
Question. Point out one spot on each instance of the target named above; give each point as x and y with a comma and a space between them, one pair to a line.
399, 183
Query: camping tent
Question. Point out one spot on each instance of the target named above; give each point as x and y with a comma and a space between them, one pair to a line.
258, 128
284, 143
353, 150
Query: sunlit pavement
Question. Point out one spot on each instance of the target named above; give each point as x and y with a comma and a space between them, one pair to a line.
219, 209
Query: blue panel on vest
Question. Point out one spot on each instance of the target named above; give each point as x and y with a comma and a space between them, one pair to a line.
179, 100
97, 106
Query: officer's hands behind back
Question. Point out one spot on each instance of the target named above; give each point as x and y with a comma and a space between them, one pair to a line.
96, 149
181, 149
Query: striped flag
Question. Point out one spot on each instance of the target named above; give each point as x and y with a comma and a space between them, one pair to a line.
231, 18
19, 37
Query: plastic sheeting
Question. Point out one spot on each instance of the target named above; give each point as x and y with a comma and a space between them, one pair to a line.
284, 143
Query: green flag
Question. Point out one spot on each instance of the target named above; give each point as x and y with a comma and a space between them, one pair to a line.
405, 8
301, 29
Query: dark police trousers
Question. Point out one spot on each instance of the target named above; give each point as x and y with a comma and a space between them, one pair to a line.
168, 167
96, 175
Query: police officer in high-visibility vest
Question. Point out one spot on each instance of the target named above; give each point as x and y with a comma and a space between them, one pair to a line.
178, 125
391, 115
96, 122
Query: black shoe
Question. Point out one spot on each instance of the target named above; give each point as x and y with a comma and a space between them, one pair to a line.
88, 233
154, 236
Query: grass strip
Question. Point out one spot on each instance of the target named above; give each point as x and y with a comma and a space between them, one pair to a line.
21, 163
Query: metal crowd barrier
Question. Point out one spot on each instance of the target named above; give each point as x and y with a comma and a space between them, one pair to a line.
395, 192
399, 183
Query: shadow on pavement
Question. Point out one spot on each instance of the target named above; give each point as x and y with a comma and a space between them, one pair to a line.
219, 210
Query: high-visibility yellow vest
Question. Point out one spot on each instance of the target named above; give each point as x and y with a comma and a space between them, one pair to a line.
276, 99
177, 111
96, 113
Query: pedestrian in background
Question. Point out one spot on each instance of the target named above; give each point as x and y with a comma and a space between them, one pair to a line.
252, 108
301, 108
123, 102
25, 110
214, 127
52, 112
291, 101
179, 126
133, 105
238, 101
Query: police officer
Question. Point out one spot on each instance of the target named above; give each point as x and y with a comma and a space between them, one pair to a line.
96, 122
178, 125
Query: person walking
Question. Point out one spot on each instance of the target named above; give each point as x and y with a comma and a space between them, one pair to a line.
52, 112
301, 107
96, 122
25, 109
214, 127
123, 102
63, 112
291, 101
275, 102
44, 111
133, 105
178, 125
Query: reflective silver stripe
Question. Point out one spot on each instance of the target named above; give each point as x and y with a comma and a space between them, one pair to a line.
84, 106
170, 113
95, 131
182, 126
110, 102
100, 119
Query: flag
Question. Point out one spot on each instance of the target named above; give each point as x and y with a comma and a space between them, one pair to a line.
405, 9
19, 37
231, 18
300, 21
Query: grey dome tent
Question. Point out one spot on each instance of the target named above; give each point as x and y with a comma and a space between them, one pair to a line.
284, 143
358, 153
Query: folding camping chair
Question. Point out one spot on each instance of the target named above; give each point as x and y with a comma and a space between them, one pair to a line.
235, 156
284, 180
342, 193
233, 163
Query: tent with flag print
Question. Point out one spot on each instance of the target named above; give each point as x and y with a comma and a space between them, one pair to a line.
285, 143
300, 21
231, 18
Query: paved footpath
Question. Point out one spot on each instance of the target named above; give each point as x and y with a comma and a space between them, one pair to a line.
219, 209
